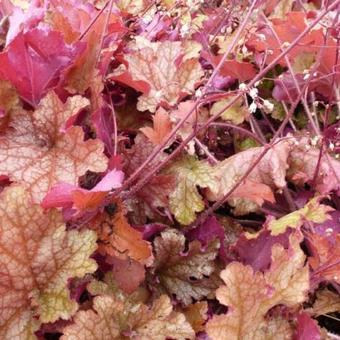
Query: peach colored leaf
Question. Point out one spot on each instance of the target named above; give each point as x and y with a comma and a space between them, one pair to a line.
117, 238
250, 295
37, 257
127, 273
185, 274
115, 316
159, 64
326, 302
256, 192
270, 171
81, 200
304, 160
161, 127
185, 199
196, 314
36, 150
275, 329
324, 261
313, 211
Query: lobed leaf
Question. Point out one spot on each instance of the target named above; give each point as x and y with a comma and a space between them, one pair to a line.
156, 63
250, 295
187, 275
37, 257
37, 150
185, 199
116, 315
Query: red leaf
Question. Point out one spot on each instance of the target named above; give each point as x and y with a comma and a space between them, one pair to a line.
34, 61
232, 68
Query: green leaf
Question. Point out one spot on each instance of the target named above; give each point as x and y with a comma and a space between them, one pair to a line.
313, 211
185, 200
236, 113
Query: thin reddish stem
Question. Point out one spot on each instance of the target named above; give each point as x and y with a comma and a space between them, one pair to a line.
144, 180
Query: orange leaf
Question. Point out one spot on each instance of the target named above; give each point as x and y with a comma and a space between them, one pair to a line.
87, 200
161, 127
196, 314
127, 273
35, 150
117, 238
325, 258
257, 192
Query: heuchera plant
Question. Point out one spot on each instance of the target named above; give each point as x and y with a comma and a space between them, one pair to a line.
169, 169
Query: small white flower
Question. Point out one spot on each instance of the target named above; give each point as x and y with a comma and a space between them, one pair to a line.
253, 92
262, 36
191, 148
331, 146
314, 140
159, 95
329, 231
244, 49
185, 29
242, 87
285, 44
229, 30
198, 93
252, 107
147, 19
306, 76
269, 106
